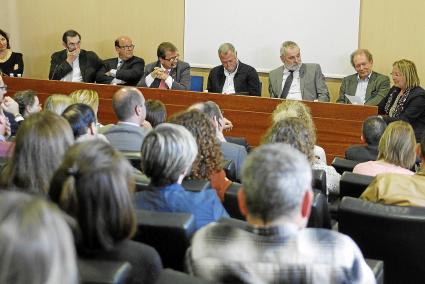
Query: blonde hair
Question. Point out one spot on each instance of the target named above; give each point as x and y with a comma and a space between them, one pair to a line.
397, 145
57, 103
88, 97
408, 69
292, 108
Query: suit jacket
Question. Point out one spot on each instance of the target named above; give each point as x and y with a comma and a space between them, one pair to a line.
131, 71
413, 109
90, 63
362, 153
312, 81
236, 153
246, 80
124, 137
377, 88
180, 75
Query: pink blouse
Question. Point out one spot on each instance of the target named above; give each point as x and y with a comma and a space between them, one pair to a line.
373, 168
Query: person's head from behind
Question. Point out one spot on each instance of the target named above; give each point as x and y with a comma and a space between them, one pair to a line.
28, 102
397, 145
129, 105
167, 154
94, 185
276, 181
295, 132
88, 97
209, 159
41, 143
372, 130
167, 55
156, 113
81, 118
212, 110
57, 103
228, 56
36, 244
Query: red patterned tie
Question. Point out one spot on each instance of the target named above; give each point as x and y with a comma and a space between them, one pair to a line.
162, 84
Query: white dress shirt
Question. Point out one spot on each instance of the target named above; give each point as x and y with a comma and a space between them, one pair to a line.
229, 85
295, 90
75, 75
362, 87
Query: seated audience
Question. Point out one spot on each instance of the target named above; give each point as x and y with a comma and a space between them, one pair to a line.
372, 130
88, 97
396, 152
156, 113
6, 147
399, 189
167, 154
168, 72
36, 244
129, 107
57, 103
41, 142
28, 102
406, 99
94, 185
11, 63
275, 246
292, 108
208, 162
295, 132
233, 76
10, 109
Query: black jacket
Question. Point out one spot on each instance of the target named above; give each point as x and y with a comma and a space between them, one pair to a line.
131, 71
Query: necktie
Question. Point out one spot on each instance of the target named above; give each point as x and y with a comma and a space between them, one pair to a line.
120, 63
287, 85
162, 84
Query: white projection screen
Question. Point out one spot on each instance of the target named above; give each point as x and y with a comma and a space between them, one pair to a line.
327, 31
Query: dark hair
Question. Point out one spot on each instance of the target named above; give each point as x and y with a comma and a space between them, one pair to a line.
373, 128
423, 144
24, 99
156, 113
93, 185
6, 36
163, 47
80, 117
117, 42
125, 101
70, 33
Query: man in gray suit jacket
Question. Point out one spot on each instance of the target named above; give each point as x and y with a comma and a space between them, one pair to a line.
297, 80
168, 72
369, 86
129, 107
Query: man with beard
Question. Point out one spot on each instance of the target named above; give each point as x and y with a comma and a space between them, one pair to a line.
296, 80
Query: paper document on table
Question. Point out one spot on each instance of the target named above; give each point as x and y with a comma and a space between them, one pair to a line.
354, 100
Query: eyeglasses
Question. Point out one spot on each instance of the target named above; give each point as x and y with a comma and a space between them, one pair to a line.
175, 58
127, 47
71, 44
4, 87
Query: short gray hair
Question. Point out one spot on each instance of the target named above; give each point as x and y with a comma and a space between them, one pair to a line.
124, 102
167, 151
275, 178
226, 47
287, 44
210, 108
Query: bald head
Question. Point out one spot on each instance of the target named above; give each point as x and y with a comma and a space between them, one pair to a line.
124, 47
129, 105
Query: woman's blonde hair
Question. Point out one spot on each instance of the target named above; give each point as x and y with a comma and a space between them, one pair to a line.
397, 145
408, 69
88, 97
57, 103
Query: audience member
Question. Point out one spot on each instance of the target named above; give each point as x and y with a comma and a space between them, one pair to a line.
295, 132
6, 147
156, 113
11, 63
88, 97
126, 69
74, 64
372, 130
168, 72
275, 246
406, 99
129, 107
94, 185
396, 152
57, 103
296, 80
36, 244
399, 189
233, 76
367, 85
167, 154
28, 102
10, 109
41, 142
209, 161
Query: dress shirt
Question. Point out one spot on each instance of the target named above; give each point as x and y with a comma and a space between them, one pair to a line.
295, 90
75, 75
373, 168
229, 85
169, 81
362, 87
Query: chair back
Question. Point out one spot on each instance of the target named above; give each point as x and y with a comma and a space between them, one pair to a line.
197, 83
343, 165
229, 168
231, 203
353, 185
319, 215
319, 181
103, 272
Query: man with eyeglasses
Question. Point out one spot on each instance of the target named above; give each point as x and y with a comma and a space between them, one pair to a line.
168, 72
9, 114
74, 64
126, 69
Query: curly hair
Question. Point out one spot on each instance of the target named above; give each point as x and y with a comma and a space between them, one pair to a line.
209, 159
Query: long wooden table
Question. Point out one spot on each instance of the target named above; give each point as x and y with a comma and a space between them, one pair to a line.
338, 125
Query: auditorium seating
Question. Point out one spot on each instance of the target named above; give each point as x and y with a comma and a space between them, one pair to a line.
393, 234
230, 168
353, 185
175, 277
343, 165
103, 272
231, 201
319, 181
197, 83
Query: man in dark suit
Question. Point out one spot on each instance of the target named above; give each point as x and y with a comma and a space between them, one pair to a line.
74, 64
233, 76
168, 72
371, 87
126, 69
373, 128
